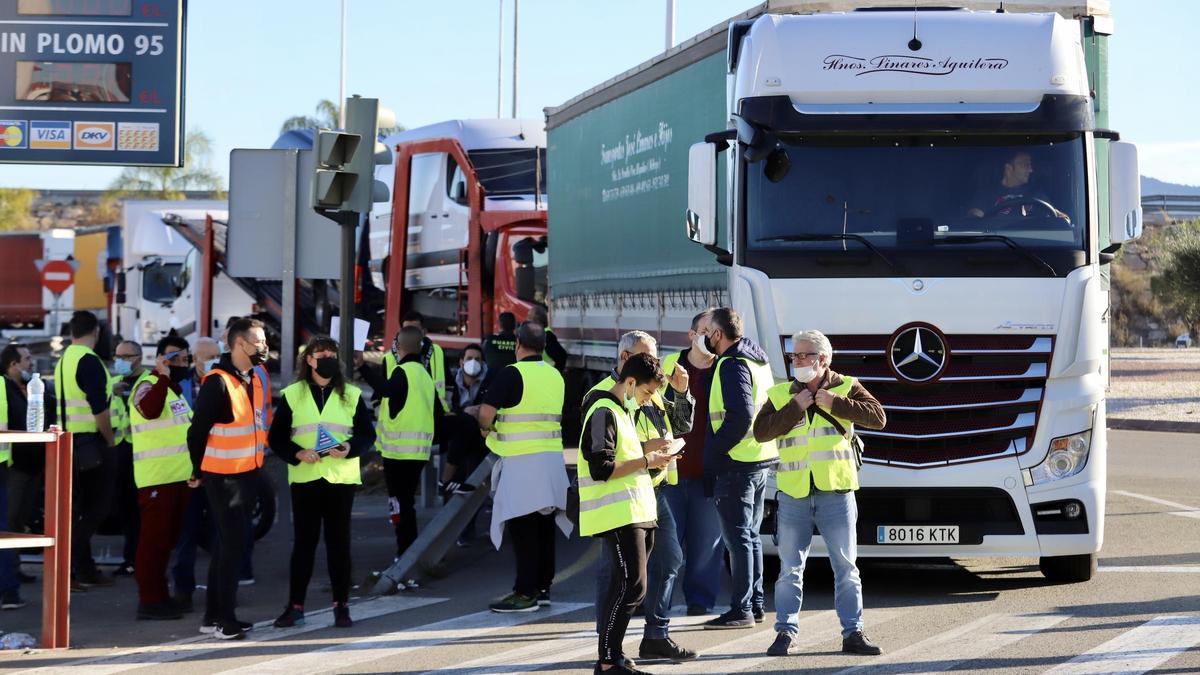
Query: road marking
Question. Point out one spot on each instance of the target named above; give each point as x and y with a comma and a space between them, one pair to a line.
391, 645
946, 650
750, 650
1174, 569
204, 644
585, 561
1139, 650
1183, 509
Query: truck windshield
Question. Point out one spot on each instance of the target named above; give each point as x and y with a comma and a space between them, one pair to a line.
510, 172
935, 205
159, 281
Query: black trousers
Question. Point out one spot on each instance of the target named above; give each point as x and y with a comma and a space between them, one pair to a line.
318, 504
403, 476
533, 543
628, 550
125, 504
230, 499
91, 501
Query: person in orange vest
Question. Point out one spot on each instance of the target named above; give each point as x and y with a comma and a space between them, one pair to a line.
226, 441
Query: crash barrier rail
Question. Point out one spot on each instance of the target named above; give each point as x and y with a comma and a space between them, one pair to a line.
56, 540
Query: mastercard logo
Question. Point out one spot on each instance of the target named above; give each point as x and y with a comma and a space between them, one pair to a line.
13, 134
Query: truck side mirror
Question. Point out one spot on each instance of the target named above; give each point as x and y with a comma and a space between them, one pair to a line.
1124, 193
120, 287
458, 192
701, 219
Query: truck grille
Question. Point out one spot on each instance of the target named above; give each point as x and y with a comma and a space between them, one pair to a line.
984, 406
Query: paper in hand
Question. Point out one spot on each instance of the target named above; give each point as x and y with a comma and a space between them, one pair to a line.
675, 446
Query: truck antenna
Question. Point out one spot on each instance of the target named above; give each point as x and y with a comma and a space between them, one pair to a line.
914, 44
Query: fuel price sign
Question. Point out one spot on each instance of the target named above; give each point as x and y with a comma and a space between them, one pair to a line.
91, 81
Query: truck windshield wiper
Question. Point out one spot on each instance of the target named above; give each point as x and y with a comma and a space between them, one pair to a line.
833, 237
972, 238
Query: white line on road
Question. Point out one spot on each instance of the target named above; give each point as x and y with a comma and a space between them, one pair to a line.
748, 651
1139, 650
392, 645
203, 644
1183, 509
973, 640
1171, 569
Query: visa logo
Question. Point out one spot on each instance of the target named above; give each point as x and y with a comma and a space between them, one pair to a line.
50, 135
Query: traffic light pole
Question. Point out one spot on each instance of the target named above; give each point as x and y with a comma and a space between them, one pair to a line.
349, 222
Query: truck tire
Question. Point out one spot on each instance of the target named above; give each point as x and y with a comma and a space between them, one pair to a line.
1068, 569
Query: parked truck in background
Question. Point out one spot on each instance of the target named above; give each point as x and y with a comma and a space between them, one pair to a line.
842, 170
465, 228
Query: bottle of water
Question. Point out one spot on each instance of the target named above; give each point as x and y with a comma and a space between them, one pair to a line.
35, 416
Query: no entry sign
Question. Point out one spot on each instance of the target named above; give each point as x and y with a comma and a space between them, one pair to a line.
57, 276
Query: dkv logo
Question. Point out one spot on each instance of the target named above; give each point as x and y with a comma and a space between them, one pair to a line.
95, 136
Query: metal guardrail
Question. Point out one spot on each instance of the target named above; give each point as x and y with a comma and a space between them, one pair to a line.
1171, 208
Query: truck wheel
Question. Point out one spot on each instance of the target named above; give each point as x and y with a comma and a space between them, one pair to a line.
1068, 569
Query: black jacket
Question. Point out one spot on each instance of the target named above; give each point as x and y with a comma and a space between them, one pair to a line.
736, 388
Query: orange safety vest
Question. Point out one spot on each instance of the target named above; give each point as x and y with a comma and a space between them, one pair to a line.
236, 447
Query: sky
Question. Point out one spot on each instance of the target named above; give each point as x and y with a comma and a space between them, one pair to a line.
251, 64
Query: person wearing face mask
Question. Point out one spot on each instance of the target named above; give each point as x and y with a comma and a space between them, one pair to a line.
226, 441
321, 427
127, 370
17, 489
616, 498
162, 469
466, 447
817, 478
205, 357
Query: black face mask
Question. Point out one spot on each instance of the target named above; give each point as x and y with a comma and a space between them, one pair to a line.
259, 357
178, 373
709, 346
327, 366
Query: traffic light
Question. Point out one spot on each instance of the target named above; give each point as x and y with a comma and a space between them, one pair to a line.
335, 177
364, 116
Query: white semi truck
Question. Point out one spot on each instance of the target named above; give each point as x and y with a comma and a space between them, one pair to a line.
935, 189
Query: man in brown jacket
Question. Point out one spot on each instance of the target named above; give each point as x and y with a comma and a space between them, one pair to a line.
817, 477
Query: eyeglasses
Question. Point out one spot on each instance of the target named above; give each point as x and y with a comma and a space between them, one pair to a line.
801, 356
128, 356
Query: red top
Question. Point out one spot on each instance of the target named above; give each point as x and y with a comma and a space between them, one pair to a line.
691, 464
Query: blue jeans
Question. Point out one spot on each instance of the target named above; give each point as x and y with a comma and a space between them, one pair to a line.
665, 560
190, 536
698, 530
9, 581
835, 516
739, 498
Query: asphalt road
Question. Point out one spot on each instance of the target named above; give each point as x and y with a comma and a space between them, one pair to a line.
1140, 613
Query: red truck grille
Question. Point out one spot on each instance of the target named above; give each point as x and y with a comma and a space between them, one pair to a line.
984, 405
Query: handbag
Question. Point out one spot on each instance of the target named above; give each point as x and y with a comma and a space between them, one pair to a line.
856, 441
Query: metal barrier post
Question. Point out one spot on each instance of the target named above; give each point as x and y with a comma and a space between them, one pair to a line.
56, 584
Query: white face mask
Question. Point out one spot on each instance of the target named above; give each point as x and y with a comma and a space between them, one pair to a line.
210, 365
806, 374
472, 367
699, 346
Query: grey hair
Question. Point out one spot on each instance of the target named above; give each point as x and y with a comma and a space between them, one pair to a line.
818, 340
633, 338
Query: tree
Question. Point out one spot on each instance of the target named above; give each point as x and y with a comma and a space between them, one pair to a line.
170, 182
1177, 285
16, 206
328, 114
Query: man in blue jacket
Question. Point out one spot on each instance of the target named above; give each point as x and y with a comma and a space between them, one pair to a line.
736, 464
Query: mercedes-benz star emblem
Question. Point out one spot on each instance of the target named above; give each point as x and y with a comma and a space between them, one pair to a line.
918, 354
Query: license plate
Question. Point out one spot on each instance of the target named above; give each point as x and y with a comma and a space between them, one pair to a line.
917, 534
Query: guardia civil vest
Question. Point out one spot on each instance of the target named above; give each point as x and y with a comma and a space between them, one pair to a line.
535, 424
814, 452
747, 450
410, 434
236, 447
160, 451
645, 428
5, 448
72, 399
436, 370
608, 504
118, 413
337, 418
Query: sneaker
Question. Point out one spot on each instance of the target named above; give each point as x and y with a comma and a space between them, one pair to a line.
292, 616
697, 610
730, 619
453, 487
94, 578
411, 584
249, 581
543, 599
624, 667
159, 611
664, 648
11, 600
515, 602
246, 626
125, 569
782, 646
759, 615
208, 627
858, 643
341, 616
230, 632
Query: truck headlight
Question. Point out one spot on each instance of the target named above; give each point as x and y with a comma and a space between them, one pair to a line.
1067, 457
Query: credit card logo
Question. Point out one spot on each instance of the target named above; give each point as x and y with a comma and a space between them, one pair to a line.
95, 135
14, 134
137, 136
50, 135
